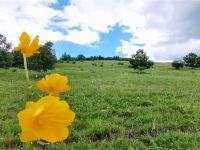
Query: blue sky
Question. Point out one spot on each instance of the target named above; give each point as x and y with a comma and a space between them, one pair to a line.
105, 47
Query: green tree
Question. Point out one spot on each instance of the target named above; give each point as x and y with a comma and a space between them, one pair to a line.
5, 59
44, 60
65, 57
17, 60
177, 64
81, 57
4, 44
140, 61
191, 60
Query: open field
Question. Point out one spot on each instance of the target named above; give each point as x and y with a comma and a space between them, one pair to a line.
116, 108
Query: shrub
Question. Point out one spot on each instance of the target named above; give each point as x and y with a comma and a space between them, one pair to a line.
5, 59
191, 60
81, 57
101, 65
120, 63
73, 62
17, 60
140, 61
44, 60
177, 64
65, 57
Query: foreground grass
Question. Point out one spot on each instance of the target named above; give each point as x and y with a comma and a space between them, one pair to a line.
116, 108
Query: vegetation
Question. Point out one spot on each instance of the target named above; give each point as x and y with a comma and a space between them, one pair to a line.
17, 60
115, 107
177, 64
5, 59
65, 57
191, 60
44, 60
140, 61
4, 44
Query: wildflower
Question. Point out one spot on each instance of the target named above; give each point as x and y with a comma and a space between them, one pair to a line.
53, 84
26, 47
46, 119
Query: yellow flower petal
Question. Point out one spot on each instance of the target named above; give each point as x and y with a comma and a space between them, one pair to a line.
27, 136
53, 84
34, 45
24, 41
25, 45
53, 133
46, 119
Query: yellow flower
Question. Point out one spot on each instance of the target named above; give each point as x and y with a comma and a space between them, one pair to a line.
25, 45
53, 84
46, 119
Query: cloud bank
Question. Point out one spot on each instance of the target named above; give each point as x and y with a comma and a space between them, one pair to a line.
165, 29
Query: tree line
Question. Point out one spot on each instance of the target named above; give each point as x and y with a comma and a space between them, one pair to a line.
191, 60
44, 60
81, 57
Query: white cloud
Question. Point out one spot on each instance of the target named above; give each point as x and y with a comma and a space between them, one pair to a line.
35, 17
85, 36
168, 29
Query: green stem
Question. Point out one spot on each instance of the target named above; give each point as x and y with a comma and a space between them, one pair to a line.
26, 73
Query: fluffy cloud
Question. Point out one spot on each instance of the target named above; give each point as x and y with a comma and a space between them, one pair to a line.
166, 29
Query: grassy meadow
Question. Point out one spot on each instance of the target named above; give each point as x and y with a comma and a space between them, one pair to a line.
116, 107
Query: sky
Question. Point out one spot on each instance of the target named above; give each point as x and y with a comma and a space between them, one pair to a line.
165, 29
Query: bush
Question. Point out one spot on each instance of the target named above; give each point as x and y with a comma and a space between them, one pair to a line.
17, 60
44, 60
140, 61
120, 63
14, 70
101, 65
94, 64
191, 60
177, 64
81, 57
73, 62
66, 57
5, 59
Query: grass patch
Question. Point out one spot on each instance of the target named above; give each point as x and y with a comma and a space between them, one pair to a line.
116, 108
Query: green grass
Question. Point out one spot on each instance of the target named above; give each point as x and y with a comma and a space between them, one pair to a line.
116, 108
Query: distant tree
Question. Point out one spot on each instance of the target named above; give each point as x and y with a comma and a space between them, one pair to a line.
44, 60
140, 61
177, 64
191, 60
5, 56
5, 59
17, 60
65, 57
116, 57
100, 57
198, 61
4, 44
81, 57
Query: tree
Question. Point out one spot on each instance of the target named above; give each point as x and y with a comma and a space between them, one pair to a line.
5, 56
4, 44
140, 61
65, 57
44, 60
191, 60
81, 57
177, 64
5, 59
17, 60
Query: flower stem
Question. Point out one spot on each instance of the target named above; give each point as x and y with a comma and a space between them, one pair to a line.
26, 73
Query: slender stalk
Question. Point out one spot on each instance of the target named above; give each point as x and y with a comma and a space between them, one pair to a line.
26, 73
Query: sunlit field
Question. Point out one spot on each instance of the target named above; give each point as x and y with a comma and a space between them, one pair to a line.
116, 107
